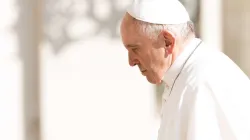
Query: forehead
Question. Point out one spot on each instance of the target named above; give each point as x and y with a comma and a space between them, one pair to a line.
129, 31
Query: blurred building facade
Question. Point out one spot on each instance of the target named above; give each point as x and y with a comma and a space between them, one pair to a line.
64, 72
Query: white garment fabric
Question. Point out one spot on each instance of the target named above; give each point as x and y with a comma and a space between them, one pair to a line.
210, 100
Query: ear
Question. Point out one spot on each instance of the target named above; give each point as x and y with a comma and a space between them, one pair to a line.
169, 40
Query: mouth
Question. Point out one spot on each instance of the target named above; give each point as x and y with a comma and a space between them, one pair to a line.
143, 72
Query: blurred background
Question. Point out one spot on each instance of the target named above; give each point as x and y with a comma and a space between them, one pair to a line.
64, 73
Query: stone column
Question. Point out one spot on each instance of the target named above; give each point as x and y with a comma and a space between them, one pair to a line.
28, 28
211, 22
236, 32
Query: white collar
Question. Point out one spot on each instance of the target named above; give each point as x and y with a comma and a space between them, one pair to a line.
175, 68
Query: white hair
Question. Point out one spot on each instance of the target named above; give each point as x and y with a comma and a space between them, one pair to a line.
153, 30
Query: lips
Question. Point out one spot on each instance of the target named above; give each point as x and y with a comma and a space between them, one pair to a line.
142, 69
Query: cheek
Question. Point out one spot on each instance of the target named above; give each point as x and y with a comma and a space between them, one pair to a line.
144, 61
157, 61
157, 57
151, 59
148, 59
149, 62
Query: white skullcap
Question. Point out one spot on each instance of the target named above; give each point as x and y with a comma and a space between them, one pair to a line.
159, 11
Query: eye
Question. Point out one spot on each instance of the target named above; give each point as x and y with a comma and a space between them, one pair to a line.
134, 49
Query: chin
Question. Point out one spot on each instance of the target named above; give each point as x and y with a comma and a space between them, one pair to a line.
154, 81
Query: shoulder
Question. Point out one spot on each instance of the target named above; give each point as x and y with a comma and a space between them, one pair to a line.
208, 65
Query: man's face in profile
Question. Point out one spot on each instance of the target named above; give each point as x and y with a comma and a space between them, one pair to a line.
148, 54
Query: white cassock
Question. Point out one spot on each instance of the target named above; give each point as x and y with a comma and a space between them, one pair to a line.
209, 100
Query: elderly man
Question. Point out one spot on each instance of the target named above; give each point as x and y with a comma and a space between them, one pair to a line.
206, 94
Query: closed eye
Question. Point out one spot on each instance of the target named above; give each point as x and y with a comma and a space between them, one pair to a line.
134, 49
132, 46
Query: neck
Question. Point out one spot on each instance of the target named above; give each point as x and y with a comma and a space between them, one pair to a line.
180, 46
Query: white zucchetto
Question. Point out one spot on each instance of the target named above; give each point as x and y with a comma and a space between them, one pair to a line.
159, 11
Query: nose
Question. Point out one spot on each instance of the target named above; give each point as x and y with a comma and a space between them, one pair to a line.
132, 60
